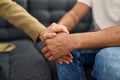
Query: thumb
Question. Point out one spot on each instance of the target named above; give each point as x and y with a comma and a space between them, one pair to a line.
57, 28
49, 35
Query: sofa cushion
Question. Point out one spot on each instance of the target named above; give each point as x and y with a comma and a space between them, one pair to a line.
12, 34
18, 61
48, 11
2, 23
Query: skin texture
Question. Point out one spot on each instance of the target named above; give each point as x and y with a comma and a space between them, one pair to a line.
70, 20
52, 32
74, 15
60, 45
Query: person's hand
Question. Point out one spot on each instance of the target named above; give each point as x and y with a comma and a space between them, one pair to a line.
52, 30
65, 59
57, 47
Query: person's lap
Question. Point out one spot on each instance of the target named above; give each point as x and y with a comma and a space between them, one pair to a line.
87, 57
107, 64
75, 70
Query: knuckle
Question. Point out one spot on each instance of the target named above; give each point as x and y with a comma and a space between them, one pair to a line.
47, 42
42, 50
49, 47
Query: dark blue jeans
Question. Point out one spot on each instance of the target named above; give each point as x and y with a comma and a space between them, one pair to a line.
106, 66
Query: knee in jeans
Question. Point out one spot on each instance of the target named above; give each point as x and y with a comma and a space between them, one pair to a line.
107, 53
107, 64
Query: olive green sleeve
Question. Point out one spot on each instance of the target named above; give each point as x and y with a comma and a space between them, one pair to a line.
20, 18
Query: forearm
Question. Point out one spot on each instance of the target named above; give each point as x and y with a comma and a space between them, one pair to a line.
20, 18
69, 21
99, 39
74, 15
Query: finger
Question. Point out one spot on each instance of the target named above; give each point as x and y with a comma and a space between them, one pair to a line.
48, 54
70, 55
63, 60
64, 28
59, 61
45, 50
57, 28
49, 35
51, 58
59, 55
45, 32
53, 24
66, 59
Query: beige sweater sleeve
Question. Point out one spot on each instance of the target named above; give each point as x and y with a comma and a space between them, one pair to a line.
20, 18
6, 47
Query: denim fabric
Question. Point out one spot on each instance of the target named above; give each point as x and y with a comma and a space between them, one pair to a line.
107, 64
70, 72
75, 71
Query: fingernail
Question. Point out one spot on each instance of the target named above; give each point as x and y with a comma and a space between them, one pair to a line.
71, 61
61, 62
67, 62
53, 23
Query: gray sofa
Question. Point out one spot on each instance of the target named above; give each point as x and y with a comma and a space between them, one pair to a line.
46, 11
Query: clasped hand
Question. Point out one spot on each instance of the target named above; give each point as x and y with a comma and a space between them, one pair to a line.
56, 39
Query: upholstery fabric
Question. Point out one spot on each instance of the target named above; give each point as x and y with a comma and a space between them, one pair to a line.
48, 11
26, 63
2, 23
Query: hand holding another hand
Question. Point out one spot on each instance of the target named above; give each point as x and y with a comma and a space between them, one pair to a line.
50, 33
52, 30
58, 47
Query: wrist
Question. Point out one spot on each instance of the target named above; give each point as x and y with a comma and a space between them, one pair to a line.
42, 34
72, 42
76, 42
64, 28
